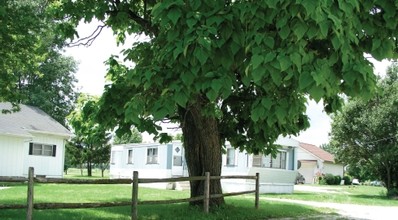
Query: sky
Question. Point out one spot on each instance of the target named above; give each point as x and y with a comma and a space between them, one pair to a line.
91, 79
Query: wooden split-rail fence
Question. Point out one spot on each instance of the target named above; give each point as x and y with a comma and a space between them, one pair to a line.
30, 205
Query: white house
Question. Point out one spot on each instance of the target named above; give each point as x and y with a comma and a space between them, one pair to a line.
156, 160
31, 138
314, 161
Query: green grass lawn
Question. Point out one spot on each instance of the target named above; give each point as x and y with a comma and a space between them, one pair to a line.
240, 207
361, 195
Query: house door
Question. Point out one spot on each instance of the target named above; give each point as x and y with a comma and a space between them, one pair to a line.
177, 166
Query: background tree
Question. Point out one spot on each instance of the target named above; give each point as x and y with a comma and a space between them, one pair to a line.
53, 88
133, 137
27, 36
91, 141
365, 134
33, 70
236, 70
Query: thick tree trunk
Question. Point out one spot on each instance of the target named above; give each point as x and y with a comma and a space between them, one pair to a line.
202, 149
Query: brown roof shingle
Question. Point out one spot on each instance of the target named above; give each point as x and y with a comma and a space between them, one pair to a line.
318, 152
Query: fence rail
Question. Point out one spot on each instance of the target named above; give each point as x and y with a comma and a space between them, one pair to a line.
30, 205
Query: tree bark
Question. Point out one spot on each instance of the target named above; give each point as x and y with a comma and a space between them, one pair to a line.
202, 148
89, 173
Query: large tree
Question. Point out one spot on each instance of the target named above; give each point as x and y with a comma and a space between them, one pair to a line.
235, 70
91, 142
365, 133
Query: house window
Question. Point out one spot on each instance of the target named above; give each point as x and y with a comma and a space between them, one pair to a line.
130, 156
279, 162
152, 155
231, 157
42, 149
257, 160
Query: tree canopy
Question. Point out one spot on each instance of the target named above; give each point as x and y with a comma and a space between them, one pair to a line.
365, 133
133, 137
33, 69
235, 70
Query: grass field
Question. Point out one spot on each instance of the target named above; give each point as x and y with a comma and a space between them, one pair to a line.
240, 207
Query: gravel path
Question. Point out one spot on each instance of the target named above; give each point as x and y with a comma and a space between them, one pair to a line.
351, 211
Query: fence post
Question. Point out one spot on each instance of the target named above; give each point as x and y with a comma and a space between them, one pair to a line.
29, 207
257, 196
134, 199
206, 193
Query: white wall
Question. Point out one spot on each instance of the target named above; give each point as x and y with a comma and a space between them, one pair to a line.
45, 165
335, 169
11, 156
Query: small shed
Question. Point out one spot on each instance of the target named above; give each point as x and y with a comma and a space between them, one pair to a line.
31, 138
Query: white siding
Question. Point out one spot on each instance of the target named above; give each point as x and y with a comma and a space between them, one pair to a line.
11, 156
335, 169
45, 165
121, 169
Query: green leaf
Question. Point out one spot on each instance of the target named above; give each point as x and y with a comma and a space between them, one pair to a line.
174, 14
257, 60
324, 27
299, 29
281, 113
305, 80
187, 78
309, 6
317, 93
284, 32
296, 59
181, 98
191, 22
211, 95
216, 85
269, 41
284, 62
257, 113
269, 57
267, 103
201, 55
276, 78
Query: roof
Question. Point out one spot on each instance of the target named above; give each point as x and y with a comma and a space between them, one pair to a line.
29, 120
318, 152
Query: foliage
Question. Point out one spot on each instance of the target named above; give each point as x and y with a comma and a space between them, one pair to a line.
235, 70
329, 179
32, 68
133, 137
91, 142
53, 90
347, 180
364, 135
178, 136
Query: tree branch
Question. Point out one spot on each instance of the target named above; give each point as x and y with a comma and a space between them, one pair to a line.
88, 41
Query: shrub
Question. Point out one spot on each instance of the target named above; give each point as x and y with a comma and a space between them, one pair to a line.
337, 180
330, 179
347, 180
